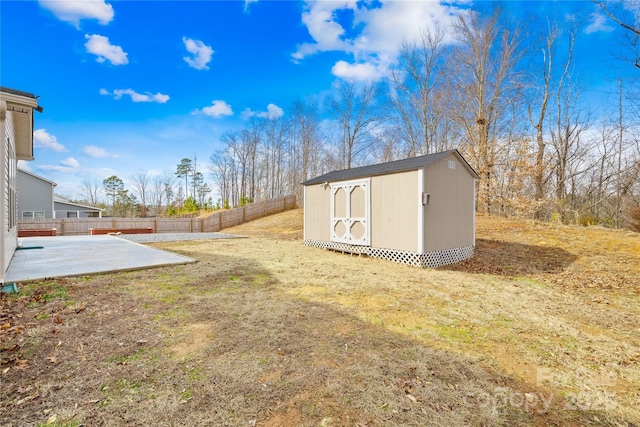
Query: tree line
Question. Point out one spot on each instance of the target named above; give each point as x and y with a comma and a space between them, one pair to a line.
151, 195
508, 96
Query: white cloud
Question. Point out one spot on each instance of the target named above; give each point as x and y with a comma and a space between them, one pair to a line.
201, 54
598, 24
273, 112
70, 163
73, 11
105, 51
363, 71
43, 139
24, 165
375, 35
138, 97
55, 168
326, 33
218, 108
247, 3
96, 152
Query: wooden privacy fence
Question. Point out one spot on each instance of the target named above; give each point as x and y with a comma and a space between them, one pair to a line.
215, 222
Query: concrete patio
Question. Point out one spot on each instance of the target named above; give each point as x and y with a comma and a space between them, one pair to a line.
47, 257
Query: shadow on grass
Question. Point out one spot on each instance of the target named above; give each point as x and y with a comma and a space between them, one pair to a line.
514, 259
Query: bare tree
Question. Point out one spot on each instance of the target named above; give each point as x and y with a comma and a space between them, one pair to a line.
625, 14
221, 165
485, 83
169, 181
90, 191
354, 110
141, 182
306, 139
413, 85
156, 193
538, 122
275, 132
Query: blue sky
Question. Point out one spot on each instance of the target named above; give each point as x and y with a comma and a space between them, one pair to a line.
130, 86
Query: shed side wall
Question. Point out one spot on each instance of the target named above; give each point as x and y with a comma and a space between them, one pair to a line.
317, 213
394, 216
449, 216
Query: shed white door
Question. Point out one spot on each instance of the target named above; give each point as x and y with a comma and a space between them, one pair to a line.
350, 212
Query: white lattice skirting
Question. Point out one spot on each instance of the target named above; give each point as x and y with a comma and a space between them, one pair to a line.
430, 259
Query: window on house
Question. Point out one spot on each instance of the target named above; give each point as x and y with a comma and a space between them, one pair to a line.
32, 215
12, 181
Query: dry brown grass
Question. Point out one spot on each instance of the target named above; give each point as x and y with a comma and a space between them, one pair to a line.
264, 331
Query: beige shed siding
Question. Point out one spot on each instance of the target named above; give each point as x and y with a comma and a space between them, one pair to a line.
394, 217
317, 213
449, 216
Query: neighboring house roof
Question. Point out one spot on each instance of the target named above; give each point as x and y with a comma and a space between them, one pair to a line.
63, 200
17, 92
37, 176
21, 104
389, 167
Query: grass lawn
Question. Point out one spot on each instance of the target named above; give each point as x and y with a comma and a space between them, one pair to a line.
541, 327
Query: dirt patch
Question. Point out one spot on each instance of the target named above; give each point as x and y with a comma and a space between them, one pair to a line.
264, 331
194, 338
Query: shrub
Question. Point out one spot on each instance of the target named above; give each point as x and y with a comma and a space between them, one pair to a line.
588, 219
190, 205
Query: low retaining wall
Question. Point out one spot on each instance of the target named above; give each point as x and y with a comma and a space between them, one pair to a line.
38, 232
97, 231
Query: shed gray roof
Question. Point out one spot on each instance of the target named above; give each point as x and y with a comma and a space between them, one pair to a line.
388, 168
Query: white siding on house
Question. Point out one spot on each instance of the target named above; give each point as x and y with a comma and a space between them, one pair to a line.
9, 184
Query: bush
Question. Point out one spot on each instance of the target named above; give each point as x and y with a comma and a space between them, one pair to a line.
588, 219
171, 210
190, 205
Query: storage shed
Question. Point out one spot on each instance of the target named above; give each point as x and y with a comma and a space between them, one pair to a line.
418, 211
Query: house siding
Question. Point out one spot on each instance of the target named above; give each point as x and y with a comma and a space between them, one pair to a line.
9, 230
67, 210
35, 195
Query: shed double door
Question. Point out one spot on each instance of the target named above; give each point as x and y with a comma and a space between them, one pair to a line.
350, 212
